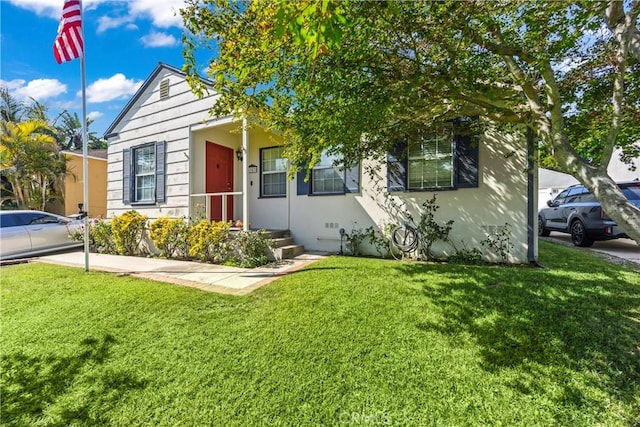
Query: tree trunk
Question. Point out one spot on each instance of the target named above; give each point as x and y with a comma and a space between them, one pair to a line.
611, 198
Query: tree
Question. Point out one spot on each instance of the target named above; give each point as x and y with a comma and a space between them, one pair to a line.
32, 163
69, 133
326, 73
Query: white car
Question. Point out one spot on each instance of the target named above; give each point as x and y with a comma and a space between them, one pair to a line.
28, 233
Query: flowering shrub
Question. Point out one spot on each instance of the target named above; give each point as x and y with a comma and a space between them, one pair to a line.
128, 231
251, 248
100, 236
170, 236
210, 241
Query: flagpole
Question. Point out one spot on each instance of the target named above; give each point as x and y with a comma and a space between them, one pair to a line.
85, 144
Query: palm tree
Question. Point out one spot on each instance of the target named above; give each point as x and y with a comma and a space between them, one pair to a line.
70, 133
11, 110
32, 162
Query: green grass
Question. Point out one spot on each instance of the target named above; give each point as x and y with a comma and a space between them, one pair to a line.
346, 341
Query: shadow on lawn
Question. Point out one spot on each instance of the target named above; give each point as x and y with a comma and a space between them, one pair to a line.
64, 390
552, 322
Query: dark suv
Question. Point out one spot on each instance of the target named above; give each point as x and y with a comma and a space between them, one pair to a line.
576, 211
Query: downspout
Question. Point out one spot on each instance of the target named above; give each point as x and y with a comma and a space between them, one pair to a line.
245, 175
531, 199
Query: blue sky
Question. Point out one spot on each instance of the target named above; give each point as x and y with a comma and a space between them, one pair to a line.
124, 41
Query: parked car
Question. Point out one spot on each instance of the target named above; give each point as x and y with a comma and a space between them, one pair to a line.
576, 211
27, 233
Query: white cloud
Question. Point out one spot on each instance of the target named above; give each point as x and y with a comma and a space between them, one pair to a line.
155, 39
163, 13
106, 23
51, 8
93, 115
38, 89
115, 87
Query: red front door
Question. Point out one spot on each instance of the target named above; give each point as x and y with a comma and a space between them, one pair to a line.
219, 178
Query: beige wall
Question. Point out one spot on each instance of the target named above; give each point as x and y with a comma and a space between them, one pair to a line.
74, 186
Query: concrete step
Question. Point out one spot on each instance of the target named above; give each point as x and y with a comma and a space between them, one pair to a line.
286, 252
278, 234
283, 241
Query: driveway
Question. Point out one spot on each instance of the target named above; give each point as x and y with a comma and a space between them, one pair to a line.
624, 249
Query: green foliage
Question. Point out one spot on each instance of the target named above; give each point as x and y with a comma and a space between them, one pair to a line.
326, 73
355, 240
209, 241
430, 230
128, 232
170, 236
100, 236
252, 248
499, 241
32, 162
466, 255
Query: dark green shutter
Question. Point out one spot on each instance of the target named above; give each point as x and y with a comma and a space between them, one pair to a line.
127, 179
160, 171
467, 165
352, 179
397, 168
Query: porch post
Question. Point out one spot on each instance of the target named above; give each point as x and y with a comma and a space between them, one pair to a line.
245, 175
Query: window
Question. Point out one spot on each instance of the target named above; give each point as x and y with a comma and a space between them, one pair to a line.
439, 162
143, 176
431, 163
327, 178
145, 168
273, 172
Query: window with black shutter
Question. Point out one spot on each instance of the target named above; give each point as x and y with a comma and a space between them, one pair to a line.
327, 178
143, 174
437, 162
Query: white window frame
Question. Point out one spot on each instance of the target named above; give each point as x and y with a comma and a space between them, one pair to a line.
137, 173
425, 159
282, 170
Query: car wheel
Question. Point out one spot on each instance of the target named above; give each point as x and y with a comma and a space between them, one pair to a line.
579, 235
543, 232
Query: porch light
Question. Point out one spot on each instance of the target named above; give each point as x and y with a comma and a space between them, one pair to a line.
239, 154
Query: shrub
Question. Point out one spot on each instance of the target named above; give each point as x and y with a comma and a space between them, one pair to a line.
210, 241
128, 232
252, 248
100, 236
170, 236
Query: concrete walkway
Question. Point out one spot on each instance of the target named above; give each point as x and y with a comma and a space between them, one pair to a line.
207, 277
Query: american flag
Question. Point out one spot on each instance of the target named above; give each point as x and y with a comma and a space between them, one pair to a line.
69, 44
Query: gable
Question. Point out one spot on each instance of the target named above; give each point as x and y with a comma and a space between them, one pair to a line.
166, 84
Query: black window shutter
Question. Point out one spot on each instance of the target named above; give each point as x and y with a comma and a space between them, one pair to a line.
467, 165
397, 168
352, 179
127, 179
160, 171
301, 186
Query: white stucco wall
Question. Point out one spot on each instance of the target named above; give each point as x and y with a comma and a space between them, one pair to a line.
500, 198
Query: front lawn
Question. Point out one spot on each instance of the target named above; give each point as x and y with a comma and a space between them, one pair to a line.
346, 341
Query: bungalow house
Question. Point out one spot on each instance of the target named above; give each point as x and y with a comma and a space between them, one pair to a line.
168, 156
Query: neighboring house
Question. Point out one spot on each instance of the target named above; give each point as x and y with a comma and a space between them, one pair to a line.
74, 183
168, 156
